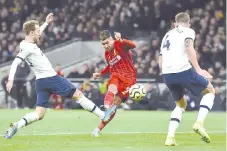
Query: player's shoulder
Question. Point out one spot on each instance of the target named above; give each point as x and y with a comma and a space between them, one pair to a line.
117, 44
26, 45
187, 30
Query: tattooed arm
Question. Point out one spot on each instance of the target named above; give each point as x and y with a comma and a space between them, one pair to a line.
189, 46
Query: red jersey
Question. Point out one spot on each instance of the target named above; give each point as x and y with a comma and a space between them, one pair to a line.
120, 61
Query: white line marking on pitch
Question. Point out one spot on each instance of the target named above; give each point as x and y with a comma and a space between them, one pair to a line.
121, 133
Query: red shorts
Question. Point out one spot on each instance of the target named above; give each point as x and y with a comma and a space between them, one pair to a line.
122, 86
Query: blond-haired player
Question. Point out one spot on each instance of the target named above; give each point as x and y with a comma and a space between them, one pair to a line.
47, 80
181, 71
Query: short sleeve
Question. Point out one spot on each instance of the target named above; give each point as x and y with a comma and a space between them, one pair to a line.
23, 53
190, 34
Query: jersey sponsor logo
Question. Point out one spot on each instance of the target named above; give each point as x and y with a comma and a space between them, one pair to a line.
115, 60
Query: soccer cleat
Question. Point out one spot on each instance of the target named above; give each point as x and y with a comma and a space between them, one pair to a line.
170, 141
96, 133
11, 131
102, 108
199, 129
109, 112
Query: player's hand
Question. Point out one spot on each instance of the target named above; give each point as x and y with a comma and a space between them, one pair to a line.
204, 73
117, 36
96, 75
9, 85
49, 18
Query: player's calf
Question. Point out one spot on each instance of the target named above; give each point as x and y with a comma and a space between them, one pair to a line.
87, 104
97, 131
32, 117
110, 95
176, 116
206, 103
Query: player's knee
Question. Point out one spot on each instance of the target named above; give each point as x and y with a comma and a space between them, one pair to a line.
182, 103
40, 115
40, 112
77, 95
209, 89
112, 88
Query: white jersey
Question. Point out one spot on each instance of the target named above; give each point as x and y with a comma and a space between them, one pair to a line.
174, 56
37, 60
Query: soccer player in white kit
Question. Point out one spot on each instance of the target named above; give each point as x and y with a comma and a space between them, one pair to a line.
177, 56
47, 80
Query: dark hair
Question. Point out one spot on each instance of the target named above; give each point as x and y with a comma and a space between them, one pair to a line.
104, 35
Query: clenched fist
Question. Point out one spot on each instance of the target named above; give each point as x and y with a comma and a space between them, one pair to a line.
96, 75
117, 36
49, 18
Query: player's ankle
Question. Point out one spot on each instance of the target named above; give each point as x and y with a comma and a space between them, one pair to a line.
171, 135
199, 122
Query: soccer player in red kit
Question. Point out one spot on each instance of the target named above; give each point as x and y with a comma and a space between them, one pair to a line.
122, 72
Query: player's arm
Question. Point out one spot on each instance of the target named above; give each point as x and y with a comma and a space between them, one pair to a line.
160, 61
105, 71
12, 72
189, 46
49, 19
126, 44
19, 58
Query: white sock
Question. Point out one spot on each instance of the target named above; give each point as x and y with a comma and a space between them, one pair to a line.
206, 105
90, 106
27, 119
176, 116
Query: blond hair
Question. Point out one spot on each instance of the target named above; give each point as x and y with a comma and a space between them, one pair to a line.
104, 35
182, 18
29, 26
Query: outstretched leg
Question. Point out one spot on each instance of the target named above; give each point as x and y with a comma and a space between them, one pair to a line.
97, 131
87, 104
29, 118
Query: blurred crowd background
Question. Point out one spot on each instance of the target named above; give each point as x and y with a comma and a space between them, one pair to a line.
145, 21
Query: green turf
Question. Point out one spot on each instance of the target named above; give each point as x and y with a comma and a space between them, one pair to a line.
64, 127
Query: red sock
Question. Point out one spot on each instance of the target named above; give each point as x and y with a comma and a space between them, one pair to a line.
103, 124
60, 104
54, 105
109, 98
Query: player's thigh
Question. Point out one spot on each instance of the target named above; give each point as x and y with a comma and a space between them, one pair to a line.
43, 95
177, 91
43, 99
62, 87
123, 89
197, 83
113, 85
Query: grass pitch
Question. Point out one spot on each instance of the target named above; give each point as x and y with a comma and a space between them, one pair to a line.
129, 131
